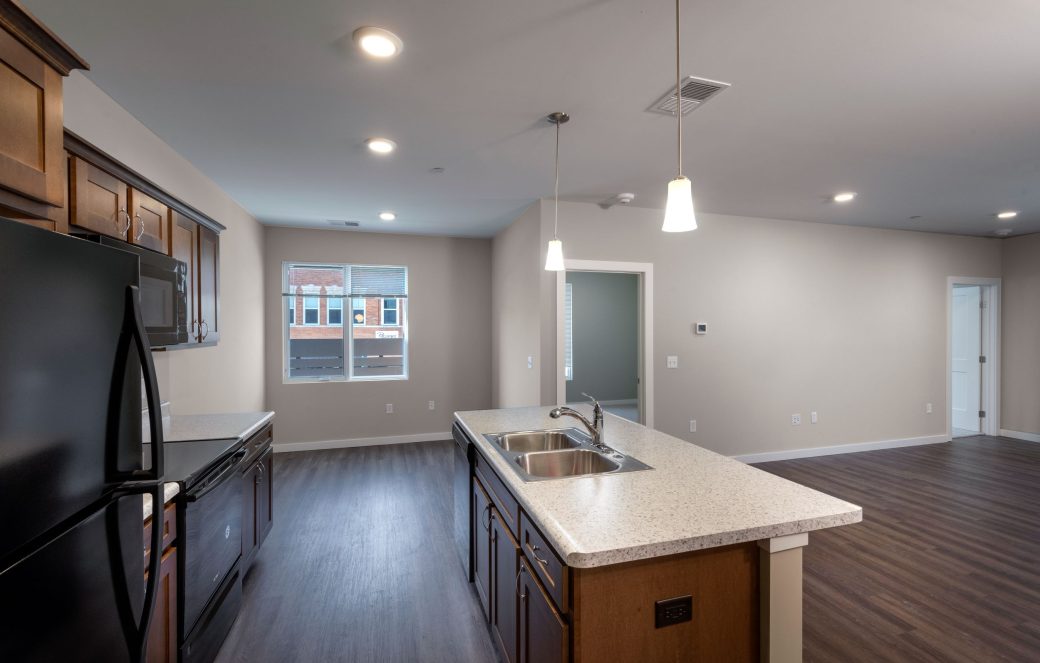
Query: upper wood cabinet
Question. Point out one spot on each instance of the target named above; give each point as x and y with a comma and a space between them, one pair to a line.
32, 64
97, 200
151, 222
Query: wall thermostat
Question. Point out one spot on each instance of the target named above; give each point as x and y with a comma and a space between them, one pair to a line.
701, 328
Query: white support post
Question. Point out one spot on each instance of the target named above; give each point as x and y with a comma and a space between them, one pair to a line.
780, 598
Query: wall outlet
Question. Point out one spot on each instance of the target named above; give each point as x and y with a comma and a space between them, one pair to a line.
530, 361
389, 408
433, 406
673, 611
814, 418
673, 361
927, 408
796, 419
693, 425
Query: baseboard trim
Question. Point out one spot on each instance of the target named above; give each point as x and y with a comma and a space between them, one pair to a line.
839, 449
1019, 435
319, 445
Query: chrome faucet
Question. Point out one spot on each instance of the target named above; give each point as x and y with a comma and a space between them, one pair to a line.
595, 427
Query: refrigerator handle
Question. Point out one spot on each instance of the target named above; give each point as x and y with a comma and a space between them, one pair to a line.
151, 385
135, 629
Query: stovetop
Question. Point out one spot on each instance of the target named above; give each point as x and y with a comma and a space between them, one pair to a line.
187, 462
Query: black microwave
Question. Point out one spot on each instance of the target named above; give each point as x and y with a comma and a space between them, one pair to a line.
164, 292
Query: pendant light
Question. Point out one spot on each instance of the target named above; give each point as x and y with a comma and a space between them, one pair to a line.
678, 210
554, 256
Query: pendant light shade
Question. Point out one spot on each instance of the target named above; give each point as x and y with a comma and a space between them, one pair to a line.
554, 257
678, 210
554, 253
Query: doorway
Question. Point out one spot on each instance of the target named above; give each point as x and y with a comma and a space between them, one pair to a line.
604, 335
973, 357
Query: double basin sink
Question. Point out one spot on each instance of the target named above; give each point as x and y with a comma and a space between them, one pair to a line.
556, 454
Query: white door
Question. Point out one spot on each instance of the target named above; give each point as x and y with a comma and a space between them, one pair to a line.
966, 347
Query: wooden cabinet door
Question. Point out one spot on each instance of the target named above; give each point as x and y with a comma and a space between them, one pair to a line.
97, 200
482, 545
209, 285
162, 632
505, 555
265, 496
184, 246
249, 530
31, 139
543, 633
151, 222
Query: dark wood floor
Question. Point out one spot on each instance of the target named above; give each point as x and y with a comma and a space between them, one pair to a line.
946, 563
361, 565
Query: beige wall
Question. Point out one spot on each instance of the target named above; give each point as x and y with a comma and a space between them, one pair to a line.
1020, 347
515, 309
449, 322
849, 322
229, 376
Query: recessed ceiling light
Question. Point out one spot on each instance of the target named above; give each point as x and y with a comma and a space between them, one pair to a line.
387, 216
844, 197
1007, 215
377, 42
381, 145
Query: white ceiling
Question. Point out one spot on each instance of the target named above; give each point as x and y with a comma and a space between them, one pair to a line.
927, 108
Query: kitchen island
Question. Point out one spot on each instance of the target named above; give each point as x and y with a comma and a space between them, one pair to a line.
698, 558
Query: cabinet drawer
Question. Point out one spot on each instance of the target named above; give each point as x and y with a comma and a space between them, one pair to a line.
545, 563
255, 445
169, 529
501, 496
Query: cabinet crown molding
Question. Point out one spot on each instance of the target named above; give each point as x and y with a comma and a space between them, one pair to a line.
38, 38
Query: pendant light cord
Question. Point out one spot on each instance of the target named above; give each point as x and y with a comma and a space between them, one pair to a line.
556, 191
678, 86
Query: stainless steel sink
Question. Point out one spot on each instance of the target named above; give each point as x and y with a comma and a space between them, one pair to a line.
567, 463
539, 455
538, 440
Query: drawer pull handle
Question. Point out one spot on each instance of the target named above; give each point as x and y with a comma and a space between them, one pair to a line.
523, 597
487, 524
534, 552
140, 228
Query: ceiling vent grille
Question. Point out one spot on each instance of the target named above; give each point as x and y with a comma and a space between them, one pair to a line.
344, 224
695, 93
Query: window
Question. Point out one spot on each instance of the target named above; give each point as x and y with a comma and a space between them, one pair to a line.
292, 310
370, 344
568, 332
390, 312
358, 313
310, 310
335, 311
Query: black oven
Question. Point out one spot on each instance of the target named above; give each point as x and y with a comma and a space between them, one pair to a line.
164, 293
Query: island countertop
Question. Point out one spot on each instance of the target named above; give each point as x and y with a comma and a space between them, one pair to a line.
692, 498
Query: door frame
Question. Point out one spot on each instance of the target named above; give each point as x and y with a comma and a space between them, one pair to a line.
645, 335
990, 292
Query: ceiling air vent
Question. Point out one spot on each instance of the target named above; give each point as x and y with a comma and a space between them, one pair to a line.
344, 224
695, 93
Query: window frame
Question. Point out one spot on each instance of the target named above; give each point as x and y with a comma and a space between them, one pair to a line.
383, 309
364, 313
348, 326
291, 311
316, 309
328, 310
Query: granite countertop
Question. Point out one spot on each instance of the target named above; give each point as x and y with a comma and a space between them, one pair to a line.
170, 490
692, 499
188, 427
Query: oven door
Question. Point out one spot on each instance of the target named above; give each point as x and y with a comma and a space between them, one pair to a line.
213, 536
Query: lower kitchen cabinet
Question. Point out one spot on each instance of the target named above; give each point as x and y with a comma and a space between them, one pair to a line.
505, 556
258, 499
162, 632
482, 546
543, 632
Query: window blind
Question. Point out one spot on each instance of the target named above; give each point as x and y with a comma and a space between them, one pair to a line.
369, 281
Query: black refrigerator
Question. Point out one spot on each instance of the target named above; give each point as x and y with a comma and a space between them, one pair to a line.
73, 358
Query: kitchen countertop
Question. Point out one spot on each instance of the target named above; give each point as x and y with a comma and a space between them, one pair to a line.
170, 491
189, 427
692, 499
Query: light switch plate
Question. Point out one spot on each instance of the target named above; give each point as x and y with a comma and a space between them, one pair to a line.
796, 419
